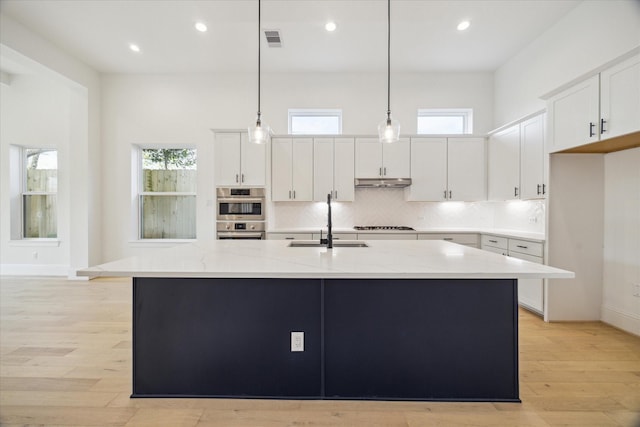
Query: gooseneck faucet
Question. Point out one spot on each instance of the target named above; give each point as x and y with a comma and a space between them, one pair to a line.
329, 240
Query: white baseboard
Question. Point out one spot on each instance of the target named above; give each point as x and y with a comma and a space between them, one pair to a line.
628, 322
34, 270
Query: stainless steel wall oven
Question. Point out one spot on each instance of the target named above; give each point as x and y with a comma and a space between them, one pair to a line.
240, 213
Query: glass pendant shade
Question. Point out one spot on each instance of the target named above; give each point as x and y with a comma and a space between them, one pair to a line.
259, 133
389, 130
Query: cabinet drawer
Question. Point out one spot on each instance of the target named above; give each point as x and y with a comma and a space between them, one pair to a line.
289, 236
531, 258
469, 239
495, 241
386, 236
526, 247
495, 250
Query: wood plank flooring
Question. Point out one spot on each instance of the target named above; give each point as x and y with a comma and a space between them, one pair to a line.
65, 360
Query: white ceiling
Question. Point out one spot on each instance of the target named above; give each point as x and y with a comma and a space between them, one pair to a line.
423, 33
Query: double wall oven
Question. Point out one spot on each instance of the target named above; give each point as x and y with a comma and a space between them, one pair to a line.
240, 213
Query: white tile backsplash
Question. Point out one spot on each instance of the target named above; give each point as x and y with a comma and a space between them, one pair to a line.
388, 207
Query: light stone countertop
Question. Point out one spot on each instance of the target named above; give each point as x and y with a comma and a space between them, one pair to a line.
514, 234
409, 259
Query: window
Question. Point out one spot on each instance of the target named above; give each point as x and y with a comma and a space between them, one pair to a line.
450, 121
168, 193
39, 193
315, 122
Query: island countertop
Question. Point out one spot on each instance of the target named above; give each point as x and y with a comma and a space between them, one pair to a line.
420, 259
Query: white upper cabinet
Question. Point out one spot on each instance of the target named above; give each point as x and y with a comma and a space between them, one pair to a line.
380, 160
517, 161
620, 99
447, 169
504, 164
292, 169
466, 177
333, 169
532, 158
239, 162
428, 169
603, 106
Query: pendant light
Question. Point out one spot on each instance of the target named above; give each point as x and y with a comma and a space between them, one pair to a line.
389, 130
259, 132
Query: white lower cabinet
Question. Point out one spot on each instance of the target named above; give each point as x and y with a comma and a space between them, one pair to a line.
336, 236
530, 291
466, 239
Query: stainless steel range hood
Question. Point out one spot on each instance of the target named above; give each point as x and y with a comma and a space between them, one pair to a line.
382, 182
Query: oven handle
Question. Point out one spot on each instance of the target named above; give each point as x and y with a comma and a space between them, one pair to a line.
244, 234
241, 200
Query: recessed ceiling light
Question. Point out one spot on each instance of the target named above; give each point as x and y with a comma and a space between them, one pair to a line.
201, 26
134, 47
463, 25
330, 26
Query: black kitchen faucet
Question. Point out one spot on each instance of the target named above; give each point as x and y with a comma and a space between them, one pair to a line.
329, 240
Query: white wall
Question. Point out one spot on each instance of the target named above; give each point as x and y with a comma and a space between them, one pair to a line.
81, 149
595, 32
182, 109
622, 240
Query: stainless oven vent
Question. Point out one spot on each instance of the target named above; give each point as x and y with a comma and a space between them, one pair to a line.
273, 38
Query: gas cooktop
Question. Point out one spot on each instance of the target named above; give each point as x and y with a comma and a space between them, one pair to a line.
383, 227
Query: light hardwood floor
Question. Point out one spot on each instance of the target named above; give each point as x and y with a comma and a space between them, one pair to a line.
66, 361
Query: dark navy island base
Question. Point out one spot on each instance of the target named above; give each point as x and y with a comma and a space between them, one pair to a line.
374, 339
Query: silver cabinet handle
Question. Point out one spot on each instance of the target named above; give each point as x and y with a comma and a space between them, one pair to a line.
289, 193
539, 189
515, 191
591, 126
242, 178
294, 194
380, 172
336, 195
236, 177
522, 247
445, 194
602, 129
289, 238
493, 241
450, 195
447, 238
385, 171
544, 188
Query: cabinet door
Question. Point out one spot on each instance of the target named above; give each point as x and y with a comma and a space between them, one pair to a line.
428, 170
253, 161
302, 169
573, 116
396, 159
368, 158
227, 159
532, 184
343, 170
620, 99
466, 176
322, 168
504, 164
281, 171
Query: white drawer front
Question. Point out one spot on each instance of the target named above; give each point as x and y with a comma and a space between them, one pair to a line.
494, 250
289, 236
337, 236
386, 236
531, 258
495, 241
468, 239
526, 247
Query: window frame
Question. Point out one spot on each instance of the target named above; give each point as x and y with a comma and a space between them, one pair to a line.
24, 193
314, 112
465, 113
140, 193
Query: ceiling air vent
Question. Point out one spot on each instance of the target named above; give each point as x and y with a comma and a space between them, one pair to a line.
273, 38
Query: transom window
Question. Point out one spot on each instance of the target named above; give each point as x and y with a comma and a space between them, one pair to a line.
315, 122
167, 193
451, 121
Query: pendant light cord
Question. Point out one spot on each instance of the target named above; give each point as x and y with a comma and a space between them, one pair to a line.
259, 23
388, 59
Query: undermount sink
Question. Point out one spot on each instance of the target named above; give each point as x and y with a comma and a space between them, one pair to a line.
336, 244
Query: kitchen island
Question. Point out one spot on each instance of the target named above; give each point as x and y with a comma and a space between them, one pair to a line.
396, 320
